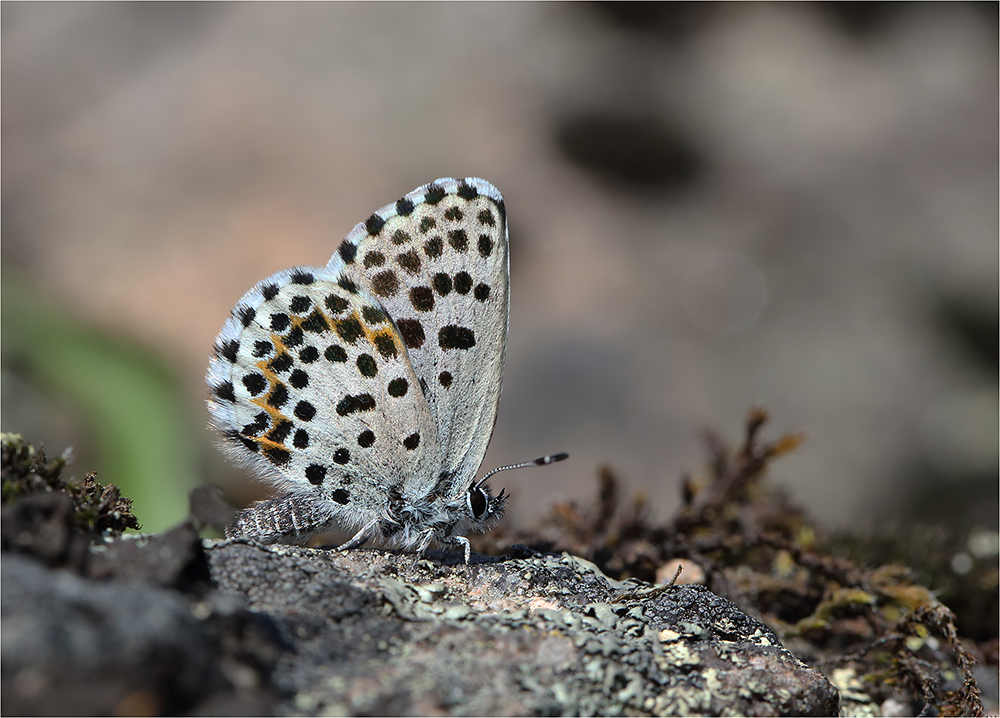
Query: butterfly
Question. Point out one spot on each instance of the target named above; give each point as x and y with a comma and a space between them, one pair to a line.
366, 391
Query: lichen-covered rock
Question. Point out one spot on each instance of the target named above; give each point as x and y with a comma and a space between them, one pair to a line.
373, 632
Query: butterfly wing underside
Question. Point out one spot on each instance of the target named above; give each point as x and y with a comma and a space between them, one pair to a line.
437, 261
311, 387
381, 370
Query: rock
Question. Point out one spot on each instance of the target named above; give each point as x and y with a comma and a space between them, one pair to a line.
174, 559
72, 646
180, 625
374, 632
41, 525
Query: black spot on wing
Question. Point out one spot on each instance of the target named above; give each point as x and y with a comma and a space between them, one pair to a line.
300, 304
280, 431
247, 443
260, 423
410, 261
228, 350
278, 396
373, 315
422, 299
458, 239
435, 193
467, 191
463, 282
315, 322
385, 345
374, 225
347, 251
335, 353
412, 332
367, 365
485, 245
453, 336
404, 207
305, 411
262, 348
224, 391
442, 283
315, 473
433, 247
293, 338
254, 382
349, 330
385, 284
279, 364
278, 457
247, 315
336, 303
279, 322
347, 285
351, 404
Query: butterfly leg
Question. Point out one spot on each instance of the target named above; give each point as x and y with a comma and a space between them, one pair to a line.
425, 541
422, 544
464, 543
360, 537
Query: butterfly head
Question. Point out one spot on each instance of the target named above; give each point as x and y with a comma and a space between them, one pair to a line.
484, 509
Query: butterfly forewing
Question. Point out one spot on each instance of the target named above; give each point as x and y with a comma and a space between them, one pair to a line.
437, 262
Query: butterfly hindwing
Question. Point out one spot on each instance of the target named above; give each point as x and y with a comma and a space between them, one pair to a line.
313, 387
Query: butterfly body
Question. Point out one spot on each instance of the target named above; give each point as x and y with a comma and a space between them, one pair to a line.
366, 391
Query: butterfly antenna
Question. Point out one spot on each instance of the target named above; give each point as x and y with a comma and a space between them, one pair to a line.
543, 461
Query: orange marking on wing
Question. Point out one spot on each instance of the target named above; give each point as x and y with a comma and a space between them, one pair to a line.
266, 443
272, 381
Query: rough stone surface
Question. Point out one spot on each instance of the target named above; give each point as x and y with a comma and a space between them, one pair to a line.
372, 632
152, 638
70, 645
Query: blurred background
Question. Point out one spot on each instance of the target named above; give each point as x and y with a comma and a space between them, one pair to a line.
711, 207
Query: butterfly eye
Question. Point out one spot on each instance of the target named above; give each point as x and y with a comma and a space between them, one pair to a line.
477, 502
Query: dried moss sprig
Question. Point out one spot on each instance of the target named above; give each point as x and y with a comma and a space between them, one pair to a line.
26, 471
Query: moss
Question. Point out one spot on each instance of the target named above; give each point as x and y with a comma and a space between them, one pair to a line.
96, 509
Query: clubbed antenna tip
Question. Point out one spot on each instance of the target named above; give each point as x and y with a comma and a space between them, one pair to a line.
550, 459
